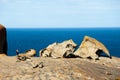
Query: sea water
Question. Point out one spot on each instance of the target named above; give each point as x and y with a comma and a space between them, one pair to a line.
39, 38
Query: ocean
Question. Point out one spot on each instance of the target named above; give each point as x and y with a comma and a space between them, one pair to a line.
39, 38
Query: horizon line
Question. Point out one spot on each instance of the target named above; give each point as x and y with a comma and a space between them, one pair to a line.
54, 27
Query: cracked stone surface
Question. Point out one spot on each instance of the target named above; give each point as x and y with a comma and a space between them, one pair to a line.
59, 69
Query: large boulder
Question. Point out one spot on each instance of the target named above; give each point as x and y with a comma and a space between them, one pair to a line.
3, 40
58, 50
91, 48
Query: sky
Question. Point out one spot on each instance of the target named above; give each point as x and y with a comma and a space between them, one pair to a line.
59, 13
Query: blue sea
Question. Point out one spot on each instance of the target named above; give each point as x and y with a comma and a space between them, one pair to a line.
39, 38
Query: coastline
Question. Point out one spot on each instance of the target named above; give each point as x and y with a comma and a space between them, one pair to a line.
24, 39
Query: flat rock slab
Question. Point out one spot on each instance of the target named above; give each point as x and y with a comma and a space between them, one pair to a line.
59, 69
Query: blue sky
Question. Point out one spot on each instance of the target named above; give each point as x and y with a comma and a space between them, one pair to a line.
59, 13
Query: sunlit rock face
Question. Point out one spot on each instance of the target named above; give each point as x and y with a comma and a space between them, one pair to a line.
3, 40
26, 55
91, 48
57, 50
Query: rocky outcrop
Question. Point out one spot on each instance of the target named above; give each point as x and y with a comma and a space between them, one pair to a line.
40, 68
57, 50
3, 40
23, 56
91, 48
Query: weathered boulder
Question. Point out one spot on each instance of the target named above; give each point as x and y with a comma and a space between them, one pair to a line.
91, 48
47, 51
57, 50
23, 56
31, 52
3, 40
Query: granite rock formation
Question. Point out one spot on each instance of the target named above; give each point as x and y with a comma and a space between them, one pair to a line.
23, 56
40, 68
58, 50
91, 48
3, 40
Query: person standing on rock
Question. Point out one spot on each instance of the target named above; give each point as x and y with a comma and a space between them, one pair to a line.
3, 40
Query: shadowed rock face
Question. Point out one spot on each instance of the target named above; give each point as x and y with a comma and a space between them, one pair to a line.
57, 50
3, 40
90, 47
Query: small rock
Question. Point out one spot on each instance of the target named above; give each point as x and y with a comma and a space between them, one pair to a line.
108, 73
41, 65
26, 55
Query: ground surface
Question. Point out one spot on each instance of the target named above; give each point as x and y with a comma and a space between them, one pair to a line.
59, 69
